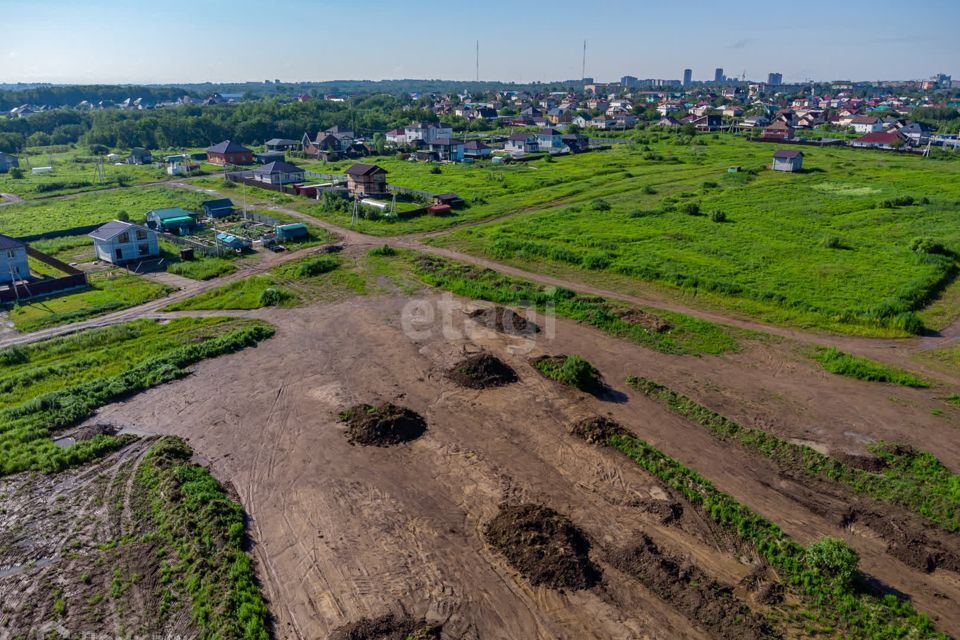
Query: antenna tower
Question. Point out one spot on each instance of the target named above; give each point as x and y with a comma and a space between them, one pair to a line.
478, 61
583, 67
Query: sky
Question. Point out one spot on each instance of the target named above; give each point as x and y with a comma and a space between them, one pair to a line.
157, 41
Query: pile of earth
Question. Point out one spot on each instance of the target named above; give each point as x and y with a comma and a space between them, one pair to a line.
597, 429
544, 546
388, 627
504, 320
383, 425
692, 592
912, 543
765, 587
481, 371
645, 319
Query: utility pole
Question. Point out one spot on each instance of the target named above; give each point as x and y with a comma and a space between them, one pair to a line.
583, 67
478, 61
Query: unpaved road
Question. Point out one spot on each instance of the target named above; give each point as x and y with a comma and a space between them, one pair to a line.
343, 532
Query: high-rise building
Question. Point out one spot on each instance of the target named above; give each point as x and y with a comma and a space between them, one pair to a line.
628, 82
687, 77
774, 79
718, 75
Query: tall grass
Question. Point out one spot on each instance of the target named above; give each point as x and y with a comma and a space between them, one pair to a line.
844, 364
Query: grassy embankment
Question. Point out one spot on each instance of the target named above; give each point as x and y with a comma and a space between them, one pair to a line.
914, 480
844, 364
54, 384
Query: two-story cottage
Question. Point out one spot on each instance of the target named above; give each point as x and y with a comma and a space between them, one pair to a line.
13, 260
120, 242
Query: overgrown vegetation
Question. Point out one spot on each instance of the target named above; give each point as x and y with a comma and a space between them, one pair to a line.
844, 364
675, 334
820, 574
53, 384
572, 371
203, 532
914, 480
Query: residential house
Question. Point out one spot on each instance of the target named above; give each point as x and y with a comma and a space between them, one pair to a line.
396, 136
576, 142
916, 132
779, 130
667, 121
8, 162
476, 150
171, 220
448, 149
625, 120
519, 143
228, 152
427, 132
282, 144
559, 115
549, 139
881, 140
788, 160
278, 172
366, 180
866, 124
581, 122
120, 242
221, 208
13, 260
753, 122
139, 155
266, 157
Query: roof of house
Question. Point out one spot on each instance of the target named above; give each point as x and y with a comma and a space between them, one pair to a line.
864, 120
363, 169
278, 166
475, 145
274, 142
168, 213
228, 146
111, 230
521, 137
784, 154
222, 203
446, 142
882, 137
6, 242
548, 132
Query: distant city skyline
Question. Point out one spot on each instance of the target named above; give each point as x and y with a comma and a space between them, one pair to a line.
180, 41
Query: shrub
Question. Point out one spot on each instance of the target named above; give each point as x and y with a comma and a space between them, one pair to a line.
600, 205
834, 560
718, 216
596, 261
123, 216
16, 173
272, 297
649, 190
573, 371
927, 245
691, 209
435, 170
893, 203
314, 266
385, 250
831, 242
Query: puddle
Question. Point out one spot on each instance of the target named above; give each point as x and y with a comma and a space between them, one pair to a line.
65, 441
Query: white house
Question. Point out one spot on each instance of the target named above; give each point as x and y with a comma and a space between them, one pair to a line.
522, 143
396, 136
550, 139
426, 132
13, 260
866, 124
121, 242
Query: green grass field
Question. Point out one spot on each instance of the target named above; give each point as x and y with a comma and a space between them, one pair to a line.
57, 383
92, 208
109, 291
813, 249
74, 171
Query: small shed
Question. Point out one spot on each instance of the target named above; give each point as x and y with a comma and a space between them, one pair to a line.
791, 161
450, 199
230, 241
171, 219
266, 157
291, 231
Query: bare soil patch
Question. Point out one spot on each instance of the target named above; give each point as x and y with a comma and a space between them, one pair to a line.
504, 320
869, 463
482, 371
388, 627
543, 545
911, 543
649, 321
383, 425
692, 592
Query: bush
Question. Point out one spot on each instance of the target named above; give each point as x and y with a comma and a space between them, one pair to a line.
314, 266
600, 205
573, 371
123, 216
831, 242
834, 560
385, 250
435, 170
16, 173
649, 190
272, 297
901, 201
927, 245
718, 216
691, 209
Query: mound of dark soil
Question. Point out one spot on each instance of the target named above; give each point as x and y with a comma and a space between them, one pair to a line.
544, 546
907, 541
872, 464
388, 627
90, 431
504, 320
597, 429
382, 426
645, 319
481, 371
695, 594
769, 593
666, 511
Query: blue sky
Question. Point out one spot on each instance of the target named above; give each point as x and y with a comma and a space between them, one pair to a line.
233, 40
